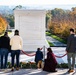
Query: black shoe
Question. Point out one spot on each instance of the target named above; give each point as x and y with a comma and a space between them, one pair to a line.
55, 71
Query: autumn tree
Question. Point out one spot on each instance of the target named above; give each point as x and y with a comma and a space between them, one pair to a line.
3, 24
61, 21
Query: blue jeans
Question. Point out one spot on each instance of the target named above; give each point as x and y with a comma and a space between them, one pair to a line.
4, 54
13, 54
0, 58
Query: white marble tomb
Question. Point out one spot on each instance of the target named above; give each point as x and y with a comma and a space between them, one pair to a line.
31, 24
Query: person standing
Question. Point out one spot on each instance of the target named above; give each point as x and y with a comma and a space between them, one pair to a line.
4, 49
38, 58
16, 46
71, 50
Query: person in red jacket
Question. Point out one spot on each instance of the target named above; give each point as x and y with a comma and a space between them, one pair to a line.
50, 62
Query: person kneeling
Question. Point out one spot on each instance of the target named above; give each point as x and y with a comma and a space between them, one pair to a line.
50, 62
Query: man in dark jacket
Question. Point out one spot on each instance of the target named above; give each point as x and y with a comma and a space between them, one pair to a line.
4, 49
38, 58
71, 50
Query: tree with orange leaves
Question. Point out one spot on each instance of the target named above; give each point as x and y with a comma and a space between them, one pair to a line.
3, 24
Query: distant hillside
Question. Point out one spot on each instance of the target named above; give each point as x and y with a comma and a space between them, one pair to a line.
9, 9
6, 10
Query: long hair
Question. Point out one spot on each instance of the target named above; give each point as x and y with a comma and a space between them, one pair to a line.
16, 32
49, 50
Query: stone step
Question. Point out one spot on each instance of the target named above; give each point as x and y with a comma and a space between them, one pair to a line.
60, 71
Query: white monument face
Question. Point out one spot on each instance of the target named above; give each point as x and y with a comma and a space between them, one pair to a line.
31, 25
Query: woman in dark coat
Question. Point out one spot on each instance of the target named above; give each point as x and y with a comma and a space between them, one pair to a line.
50, 63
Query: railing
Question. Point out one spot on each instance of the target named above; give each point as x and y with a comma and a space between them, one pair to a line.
33, 54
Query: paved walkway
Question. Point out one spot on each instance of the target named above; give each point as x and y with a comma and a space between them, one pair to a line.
54, 41
35, 72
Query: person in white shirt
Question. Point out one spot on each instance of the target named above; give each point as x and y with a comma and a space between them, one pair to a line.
16, 46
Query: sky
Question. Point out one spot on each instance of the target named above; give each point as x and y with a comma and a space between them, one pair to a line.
37, 2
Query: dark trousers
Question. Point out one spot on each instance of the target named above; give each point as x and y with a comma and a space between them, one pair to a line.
13, 54
71, 56
4, 57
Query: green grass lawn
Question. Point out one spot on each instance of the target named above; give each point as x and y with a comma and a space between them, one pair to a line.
59, 39
56, 37
51, 44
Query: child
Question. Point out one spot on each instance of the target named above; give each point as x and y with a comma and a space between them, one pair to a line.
38, 58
